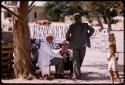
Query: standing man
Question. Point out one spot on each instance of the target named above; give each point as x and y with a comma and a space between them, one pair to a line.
78, 37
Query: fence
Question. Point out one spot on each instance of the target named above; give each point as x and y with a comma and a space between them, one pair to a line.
99, 40
40, 31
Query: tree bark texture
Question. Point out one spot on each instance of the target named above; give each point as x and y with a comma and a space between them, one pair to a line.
22, 45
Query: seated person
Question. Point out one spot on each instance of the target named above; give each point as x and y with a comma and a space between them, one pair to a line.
47, 57
67, 56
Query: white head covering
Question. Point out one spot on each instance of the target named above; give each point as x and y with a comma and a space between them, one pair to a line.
65, 42
49, 34
76, 14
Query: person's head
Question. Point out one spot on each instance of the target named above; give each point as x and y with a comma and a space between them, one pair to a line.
77, 17
49, 38
64, 45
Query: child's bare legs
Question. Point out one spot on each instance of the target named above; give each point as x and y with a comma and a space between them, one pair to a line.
117, 76
111, 76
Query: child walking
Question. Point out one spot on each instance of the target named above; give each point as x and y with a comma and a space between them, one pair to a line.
113, 63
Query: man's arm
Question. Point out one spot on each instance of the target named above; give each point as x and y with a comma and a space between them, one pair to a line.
68, 34
51, 53
91, 30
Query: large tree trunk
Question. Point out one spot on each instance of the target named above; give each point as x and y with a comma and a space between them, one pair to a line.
22, 43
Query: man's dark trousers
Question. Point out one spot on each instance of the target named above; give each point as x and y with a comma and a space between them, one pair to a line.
78, 56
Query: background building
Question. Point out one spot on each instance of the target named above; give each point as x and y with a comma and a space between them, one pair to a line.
37, 13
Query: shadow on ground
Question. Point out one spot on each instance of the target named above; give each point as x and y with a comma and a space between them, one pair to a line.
99, 66
98, 75
94, 76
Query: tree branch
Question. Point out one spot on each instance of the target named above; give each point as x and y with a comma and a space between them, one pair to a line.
28, 13
11, 12
30, 8
31, 4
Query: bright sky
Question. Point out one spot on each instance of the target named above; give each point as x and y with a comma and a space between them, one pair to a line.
38, 3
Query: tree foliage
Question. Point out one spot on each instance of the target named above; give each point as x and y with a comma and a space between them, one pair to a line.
58, 9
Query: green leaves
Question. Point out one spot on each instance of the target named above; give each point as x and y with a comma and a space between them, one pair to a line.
58, 9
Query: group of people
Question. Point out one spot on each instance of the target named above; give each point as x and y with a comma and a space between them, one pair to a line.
77, 39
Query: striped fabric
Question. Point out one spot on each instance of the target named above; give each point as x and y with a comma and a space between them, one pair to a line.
6, 61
